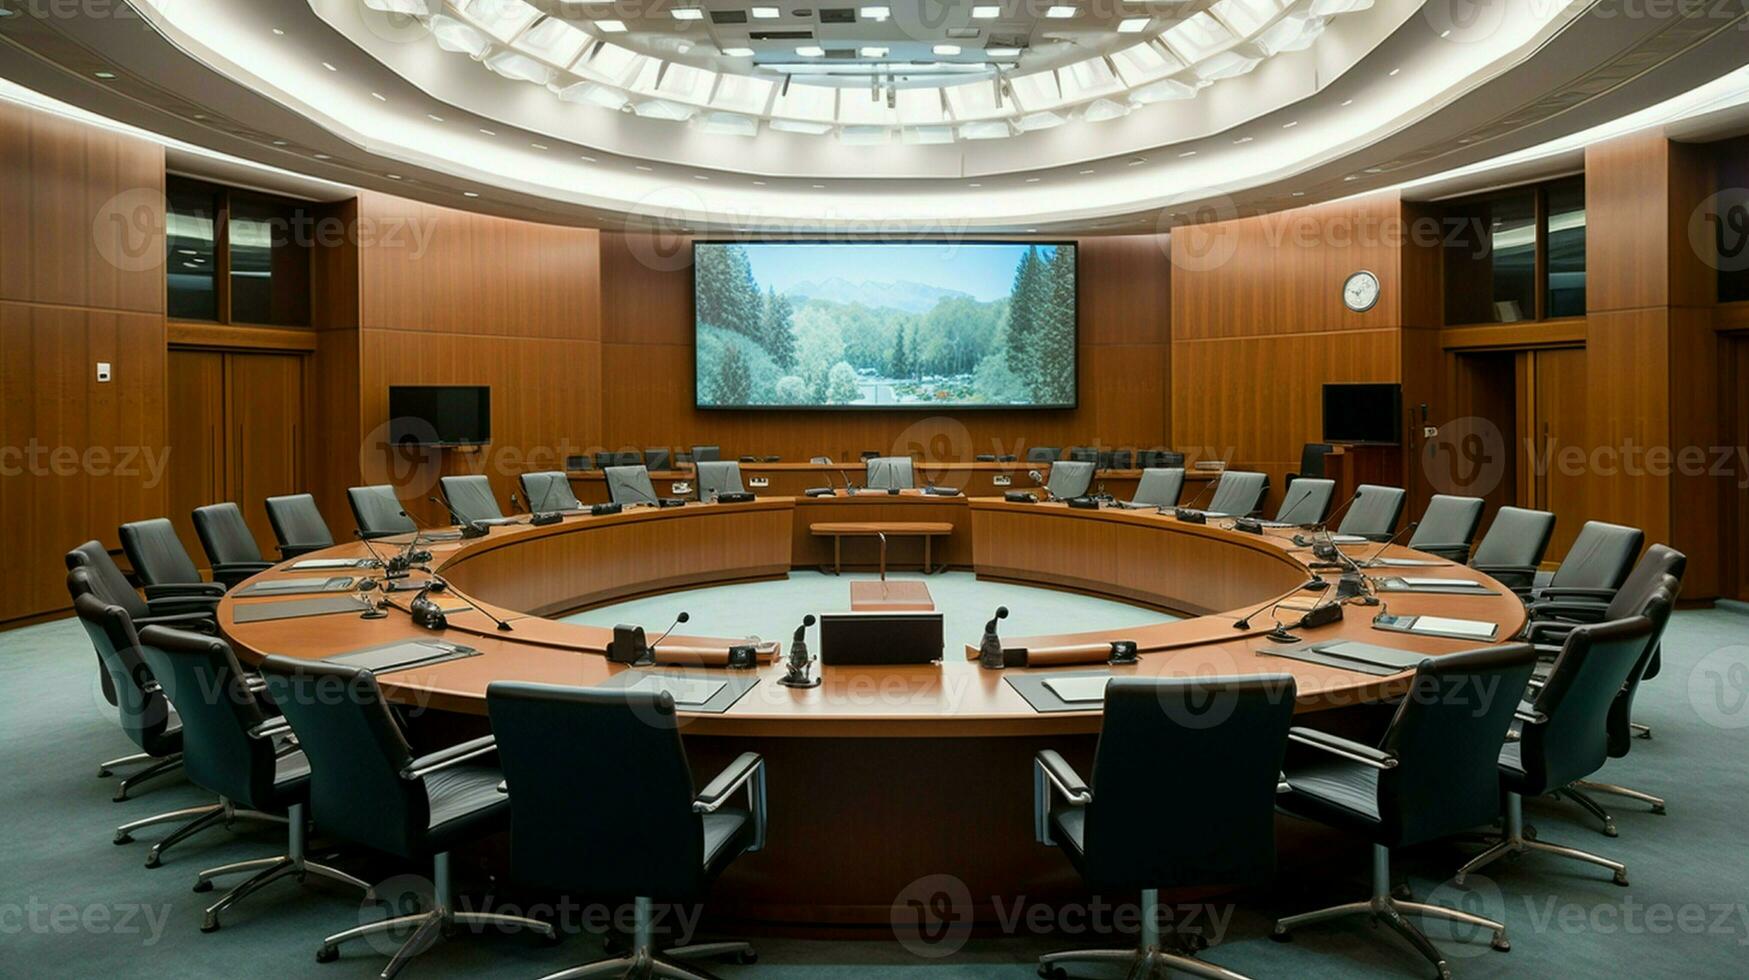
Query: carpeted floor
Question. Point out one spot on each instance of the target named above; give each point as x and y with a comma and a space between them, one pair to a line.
72, 904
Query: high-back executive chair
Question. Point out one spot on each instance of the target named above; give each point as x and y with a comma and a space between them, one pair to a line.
367, 787
1084, 454
1432, 775
160, 561
1239, 493
1595, 566
1043, 454
1374, 512
298, 526
229, 544
1311, 462
630, 485
549, 491
169, 606
1563, 734
1513, 547
470, 498
231, 747
1130, 828
1448, 527
1159, 487
1070, 478
379, 512
626, 823
706, 454
656, 460
1162, 459
1306, 501
889, 473
719, 476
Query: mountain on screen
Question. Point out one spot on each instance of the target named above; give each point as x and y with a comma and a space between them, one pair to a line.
910, 297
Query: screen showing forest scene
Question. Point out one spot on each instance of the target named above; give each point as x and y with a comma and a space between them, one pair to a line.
913, 325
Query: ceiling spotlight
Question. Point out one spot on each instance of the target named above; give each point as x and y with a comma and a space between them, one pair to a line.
986, 12
470, 194
105, 75
380, 97
1002, 52
738, 52
1132, 25
687, 13
876, 13
874, 52
329, 66
947, 49
1060, 11
763, 13
610, 26
811, 51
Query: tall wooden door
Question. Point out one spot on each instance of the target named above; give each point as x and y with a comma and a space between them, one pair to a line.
265, 395
1553, 440
198, 439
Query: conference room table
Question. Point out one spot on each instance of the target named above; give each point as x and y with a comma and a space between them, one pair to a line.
881, 776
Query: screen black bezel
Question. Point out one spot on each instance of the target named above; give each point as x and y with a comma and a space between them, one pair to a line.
487, 389
1396, 415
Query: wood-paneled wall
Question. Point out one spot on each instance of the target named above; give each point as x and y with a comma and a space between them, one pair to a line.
647, 368
81, 281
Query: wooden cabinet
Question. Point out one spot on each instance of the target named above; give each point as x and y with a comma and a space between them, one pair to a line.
236, 429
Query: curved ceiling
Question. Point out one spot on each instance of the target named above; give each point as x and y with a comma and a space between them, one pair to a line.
477, 104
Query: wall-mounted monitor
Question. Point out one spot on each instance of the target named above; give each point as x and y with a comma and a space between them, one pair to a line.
1363, 414
918, 325
440, 415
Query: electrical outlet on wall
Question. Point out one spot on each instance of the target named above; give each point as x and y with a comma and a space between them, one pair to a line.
103, 372
759, 482
1002, 480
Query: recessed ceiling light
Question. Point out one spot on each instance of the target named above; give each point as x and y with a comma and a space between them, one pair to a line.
819, 187
1299, 193
393, 176
611, 26
1060, 11
700, 177
687, 13
279, 32
380, 97
759, 183
738, 52
470, 194
986, 12
763, 13
974, 185
1244, 139
1138, 161
323, 156
1032, 231
1084, 172
1290, 125
279, 142
587, 159
947, 49
1133, 25
105, 75
1187, 153
1394, 72
329, 66
183, 251
1347, 102
1032, 180
538, 146
876, 13
1002, 52
434, 117
874, 52
487, 132
811, 51
639, 166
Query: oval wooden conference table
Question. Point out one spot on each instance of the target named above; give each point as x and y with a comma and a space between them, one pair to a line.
881, 776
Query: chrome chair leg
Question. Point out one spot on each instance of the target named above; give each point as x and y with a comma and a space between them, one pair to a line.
1147, 959
165, 766
1656, 802
1592, 807
107, 769
1639, 730
645, 959
225, 812
125, 833
269, 870
1515, 842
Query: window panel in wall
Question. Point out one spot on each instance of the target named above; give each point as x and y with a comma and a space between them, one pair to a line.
1566, 245
191, 291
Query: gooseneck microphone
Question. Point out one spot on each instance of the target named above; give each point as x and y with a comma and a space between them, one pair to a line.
440, 584
1371, 559
1038, 480
683, 617
1244, 622
1188, 512
1326, 522
990, 647
469, 529
1287, 507
799, 660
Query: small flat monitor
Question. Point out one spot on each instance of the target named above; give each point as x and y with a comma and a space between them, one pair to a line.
1363, 414
440, 415
880, 638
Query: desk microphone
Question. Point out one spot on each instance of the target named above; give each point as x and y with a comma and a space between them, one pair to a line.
1326, 522
990, 648
517, 504
1038, 480
440, 584
1288, 506
469, 529
1244, 622
540, 516
1188, 513
1368, 561
799, 660
683, 617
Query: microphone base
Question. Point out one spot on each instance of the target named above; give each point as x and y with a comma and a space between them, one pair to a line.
1281, 635
799, 682
373, 613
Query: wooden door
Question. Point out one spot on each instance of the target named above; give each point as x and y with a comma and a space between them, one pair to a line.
265, 396
196, 433
1552, 436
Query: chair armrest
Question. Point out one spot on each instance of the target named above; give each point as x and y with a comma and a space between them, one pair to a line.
289, 551
1498, 570
271, 728
1567, 610
1599, 596
234, 573
194, 622
1336, 745
185, 590
455, 755
1063, 776
1527, 713
733, 777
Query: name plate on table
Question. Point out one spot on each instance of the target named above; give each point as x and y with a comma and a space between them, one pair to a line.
404, 655
330, 564
296, 586
1456, 629
1439, 586
697, 691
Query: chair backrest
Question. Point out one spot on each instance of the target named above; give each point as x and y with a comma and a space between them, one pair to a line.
1600, 557
1374, 512
630, 485
1070, 478
719, 476
1160, 486
1117, 459
565, 750
378, 511
157, 554
1518, 538
657, 459
1306, 500
1227, 736
356, 751
706, 454
1449, 520
1647, 577
141, 706
1239, 493
106, 578
889, 473
1572, 740
1084, 454
549, 490
297, 522
1446, 735
1312, 459
1043, 454
1159, 459
224, 535
471, 497
216, 708
1656, 608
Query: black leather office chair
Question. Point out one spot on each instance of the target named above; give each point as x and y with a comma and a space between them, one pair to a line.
1239, 493
624, 822
298, 526
1311, 462
367, 787
1043, 454
1432, 775
1159, 459
630, 485
229, 544
1514, 546
549, 491
718, 476
1159, 488
1595, 566
625, 457
379, 512
706, 454
1374, 512
1306, 501
160, 561
173, 607
1070, 478
1563, 734
1136, 827
889, 473
658, 459
1084, 454
1117, 459
470, 497
1448, 528
233, 747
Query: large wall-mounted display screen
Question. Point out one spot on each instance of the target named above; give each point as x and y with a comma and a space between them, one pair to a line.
885, 325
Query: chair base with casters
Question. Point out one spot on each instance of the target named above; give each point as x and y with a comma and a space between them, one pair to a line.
1148, 960
293, 863
1610, 789
1385, 907
156, 765
430, 926
198, 819
1517, 842
644, 959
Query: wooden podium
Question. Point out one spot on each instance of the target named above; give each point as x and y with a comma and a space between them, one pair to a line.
886, 596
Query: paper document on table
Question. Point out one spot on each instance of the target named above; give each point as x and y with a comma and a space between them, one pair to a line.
686, 691
1439, 583
1461, 627
1079, 689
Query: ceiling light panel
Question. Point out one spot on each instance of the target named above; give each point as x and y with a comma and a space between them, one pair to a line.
613, 64
1246, 17
986, 11
554, 41
1143, 63
742, 93
1295, 32
503, 19
920, 106
453, 35
860, 107
812, 103
1198, 36
1036, 91
1087, 79
975, 100
686, 13
520, 67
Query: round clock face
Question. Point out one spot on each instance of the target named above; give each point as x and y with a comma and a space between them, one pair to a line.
1361, 292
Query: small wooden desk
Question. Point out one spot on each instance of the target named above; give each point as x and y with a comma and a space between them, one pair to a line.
839, 530
890, 597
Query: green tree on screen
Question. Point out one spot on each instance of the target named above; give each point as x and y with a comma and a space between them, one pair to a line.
1023, 315
777, 330
1054, 378
734, 381
841, 387
900, 364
